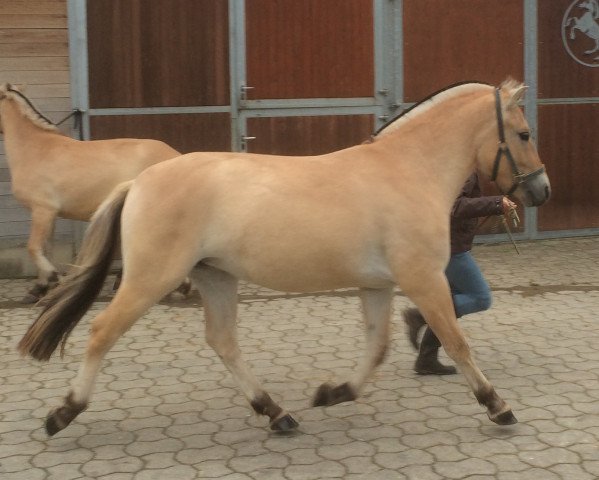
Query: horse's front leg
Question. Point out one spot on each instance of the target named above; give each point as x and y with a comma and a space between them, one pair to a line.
376, 307
42, 225
432, 297
218, 290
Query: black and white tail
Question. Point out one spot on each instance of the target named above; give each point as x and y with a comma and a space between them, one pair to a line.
68, 303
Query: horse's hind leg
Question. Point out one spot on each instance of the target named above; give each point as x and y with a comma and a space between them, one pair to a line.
377, 308
432, 297
219, 298
129, 304
42, 225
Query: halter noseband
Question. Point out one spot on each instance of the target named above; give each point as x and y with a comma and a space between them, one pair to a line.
503, 149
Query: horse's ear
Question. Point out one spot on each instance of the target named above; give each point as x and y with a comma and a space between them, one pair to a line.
516, 95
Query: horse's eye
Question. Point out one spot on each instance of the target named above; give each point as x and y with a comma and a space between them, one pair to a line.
524, 136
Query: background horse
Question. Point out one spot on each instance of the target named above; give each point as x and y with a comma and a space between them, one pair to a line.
56, 176
372, 216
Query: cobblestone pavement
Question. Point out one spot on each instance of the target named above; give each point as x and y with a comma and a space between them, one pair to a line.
166, 408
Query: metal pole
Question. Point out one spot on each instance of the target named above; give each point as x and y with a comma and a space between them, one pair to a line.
530, 105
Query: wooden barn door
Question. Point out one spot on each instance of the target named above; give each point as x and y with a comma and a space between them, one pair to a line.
468, 42
308, 82
569, 115
160, 69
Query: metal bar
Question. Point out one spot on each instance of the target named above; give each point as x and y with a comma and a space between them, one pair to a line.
77, 25
307, 112
98, 112
310, 103
398, 51
583, 232
568, 101
546, 235
236, 68
381, 85
530, 101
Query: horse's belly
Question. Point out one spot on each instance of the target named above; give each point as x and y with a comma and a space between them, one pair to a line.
303, 272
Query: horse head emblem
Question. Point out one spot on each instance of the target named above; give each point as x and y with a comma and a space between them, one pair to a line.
582, 18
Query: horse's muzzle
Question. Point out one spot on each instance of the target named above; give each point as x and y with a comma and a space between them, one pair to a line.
535, 191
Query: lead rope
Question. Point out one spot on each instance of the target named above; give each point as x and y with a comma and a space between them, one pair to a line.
503, 220
77, 123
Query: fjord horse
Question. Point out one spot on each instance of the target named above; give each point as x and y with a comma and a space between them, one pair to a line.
372, 216
57, 176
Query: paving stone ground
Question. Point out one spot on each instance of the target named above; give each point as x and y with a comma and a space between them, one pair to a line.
166, 408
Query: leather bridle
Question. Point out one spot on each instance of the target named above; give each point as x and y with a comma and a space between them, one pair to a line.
503, 149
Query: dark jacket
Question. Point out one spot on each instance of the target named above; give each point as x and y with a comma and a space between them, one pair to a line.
467, 209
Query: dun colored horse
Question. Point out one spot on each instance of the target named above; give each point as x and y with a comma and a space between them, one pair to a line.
56, 176
372, 216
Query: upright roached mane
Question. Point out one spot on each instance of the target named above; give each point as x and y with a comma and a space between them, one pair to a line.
372, 216
428, 103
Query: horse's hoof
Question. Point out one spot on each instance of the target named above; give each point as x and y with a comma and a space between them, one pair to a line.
327, 395
505, 418
184, 288
36, 292
30, 299
323, 395
286, 423
52, 426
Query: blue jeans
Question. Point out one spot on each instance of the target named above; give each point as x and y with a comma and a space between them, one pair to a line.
469, 289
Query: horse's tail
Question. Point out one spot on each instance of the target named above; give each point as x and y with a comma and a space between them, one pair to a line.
67, 303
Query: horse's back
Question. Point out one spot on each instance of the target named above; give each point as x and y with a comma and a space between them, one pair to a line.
292, 224
82, 174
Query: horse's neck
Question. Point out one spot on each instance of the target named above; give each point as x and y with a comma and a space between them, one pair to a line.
446, 156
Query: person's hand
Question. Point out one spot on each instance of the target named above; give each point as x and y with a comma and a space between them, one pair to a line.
508, 205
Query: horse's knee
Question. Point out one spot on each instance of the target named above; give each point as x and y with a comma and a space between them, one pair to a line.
224, 346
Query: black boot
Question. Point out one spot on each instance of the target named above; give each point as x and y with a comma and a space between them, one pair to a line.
427, 362
414, 321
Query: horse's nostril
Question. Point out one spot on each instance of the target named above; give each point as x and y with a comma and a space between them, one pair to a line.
547, 192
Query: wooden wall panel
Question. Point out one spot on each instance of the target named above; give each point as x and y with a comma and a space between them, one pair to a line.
34, 53
145, 53
184, 132
569, 147
33, 21
560, 75
34, 7
308, 135
469, 40
310, 49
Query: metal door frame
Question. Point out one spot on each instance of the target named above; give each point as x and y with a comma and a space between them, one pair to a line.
380, 104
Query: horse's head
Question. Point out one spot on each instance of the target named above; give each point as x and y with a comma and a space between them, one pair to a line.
513, 163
